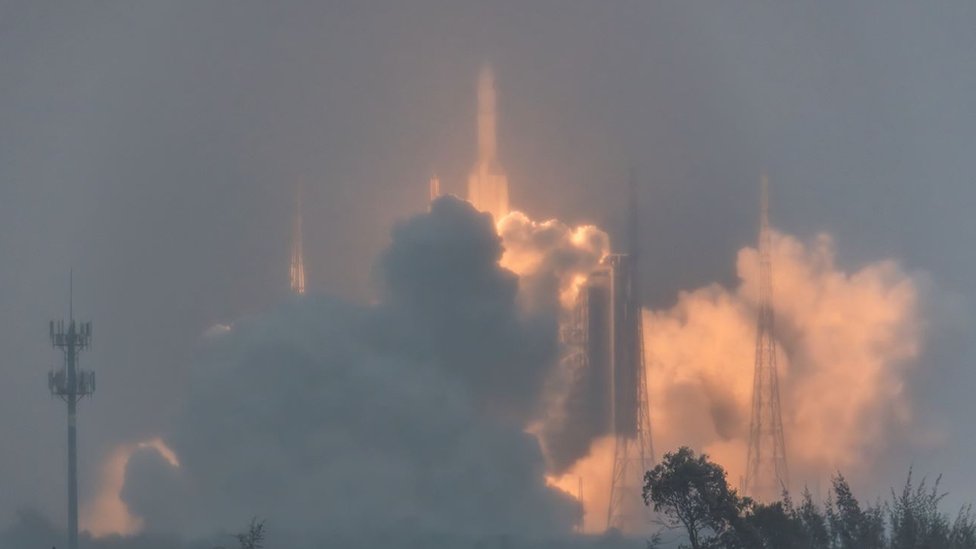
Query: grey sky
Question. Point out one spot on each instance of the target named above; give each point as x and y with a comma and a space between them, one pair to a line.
154, 147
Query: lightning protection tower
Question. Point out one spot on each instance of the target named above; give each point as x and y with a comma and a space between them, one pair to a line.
71, 384
296, 266
766, 474
629, 409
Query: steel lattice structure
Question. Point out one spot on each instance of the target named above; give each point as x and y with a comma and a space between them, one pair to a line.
296, 267
767, 476
633, 444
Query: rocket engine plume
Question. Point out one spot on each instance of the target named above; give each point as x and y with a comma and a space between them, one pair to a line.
846, 343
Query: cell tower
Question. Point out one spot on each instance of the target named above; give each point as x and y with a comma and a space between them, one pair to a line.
71, 384
766, 474
297, 264
629, 409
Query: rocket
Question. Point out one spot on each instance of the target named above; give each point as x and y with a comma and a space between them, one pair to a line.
488, 184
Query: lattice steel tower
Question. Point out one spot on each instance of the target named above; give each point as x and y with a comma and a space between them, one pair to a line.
629, 410
767, 476
71, 384
296, 267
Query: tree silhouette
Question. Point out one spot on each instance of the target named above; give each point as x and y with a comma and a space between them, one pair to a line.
252, 537
692, 492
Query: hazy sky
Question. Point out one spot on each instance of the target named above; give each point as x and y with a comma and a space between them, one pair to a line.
154, 147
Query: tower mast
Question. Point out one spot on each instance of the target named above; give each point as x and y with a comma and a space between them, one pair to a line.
71, 384
297, 265
767, 475
633, 446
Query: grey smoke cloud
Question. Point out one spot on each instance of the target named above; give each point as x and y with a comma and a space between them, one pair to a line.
552, 259
448, 299
332, 418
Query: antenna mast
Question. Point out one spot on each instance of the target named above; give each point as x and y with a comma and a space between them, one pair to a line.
71, 384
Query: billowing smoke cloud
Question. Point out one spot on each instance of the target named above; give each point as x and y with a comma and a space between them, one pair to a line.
107, 513
447, 300
846, 342
553, 260
410, 415
336, 419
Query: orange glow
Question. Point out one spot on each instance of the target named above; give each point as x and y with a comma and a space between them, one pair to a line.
106, 513
595, 470
552, 248
845, 343
488, 184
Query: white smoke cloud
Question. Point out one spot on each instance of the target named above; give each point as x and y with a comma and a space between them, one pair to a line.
847, 342
553, 260
550, 257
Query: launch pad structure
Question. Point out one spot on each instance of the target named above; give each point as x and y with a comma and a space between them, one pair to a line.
607, 335
71, 384
604, 337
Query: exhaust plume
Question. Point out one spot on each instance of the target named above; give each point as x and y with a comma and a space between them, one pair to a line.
108, 513
551, 258
847, 342
347, 422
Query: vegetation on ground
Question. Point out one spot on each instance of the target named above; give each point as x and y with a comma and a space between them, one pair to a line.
692, 494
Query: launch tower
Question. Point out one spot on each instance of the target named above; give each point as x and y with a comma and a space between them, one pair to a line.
766, 473
605, 338
71, 384
629, 410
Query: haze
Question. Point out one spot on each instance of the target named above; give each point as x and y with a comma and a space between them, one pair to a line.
155, 148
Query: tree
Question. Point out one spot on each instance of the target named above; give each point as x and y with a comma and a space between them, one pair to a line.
775, 524
253, 538
917, 523
692, 492
963, 533
852, 526
814, 523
